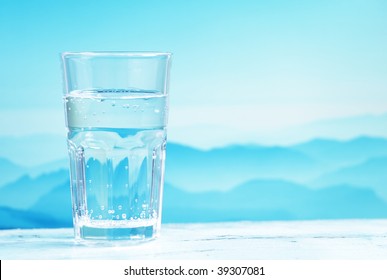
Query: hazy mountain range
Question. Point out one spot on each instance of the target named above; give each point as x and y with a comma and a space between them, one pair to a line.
344, 128
318, 179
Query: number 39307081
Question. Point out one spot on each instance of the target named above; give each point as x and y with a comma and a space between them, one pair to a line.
240, 270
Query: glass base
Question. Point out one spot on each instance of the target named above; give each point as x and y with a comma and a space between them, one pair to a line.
111, 231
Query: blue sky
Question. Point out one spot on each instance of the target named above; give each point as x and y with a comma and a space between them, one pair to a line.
240, 68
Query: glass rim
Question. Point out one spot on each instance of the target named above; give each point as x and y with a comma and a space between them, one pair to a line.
69, 54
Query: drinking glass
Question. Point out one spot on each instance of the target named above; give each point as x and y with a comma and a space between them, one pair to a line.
116, 109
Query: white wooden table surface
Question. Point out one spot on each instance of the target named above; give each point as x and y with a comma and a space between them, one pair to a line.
306, 240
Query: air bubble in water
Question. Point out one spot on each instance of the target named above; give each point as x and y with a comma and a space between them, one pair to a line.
119, 207
123, 216
102, 207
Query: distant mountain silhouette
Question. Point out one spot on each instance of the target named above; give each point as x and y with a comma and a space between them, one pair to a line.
254, 201
9, 171
337, 154
272, 200
213, 135
372, 125
26, 191
48, 167
12, 218
371, 174
223, 168
33, 150
57, 202
320, 179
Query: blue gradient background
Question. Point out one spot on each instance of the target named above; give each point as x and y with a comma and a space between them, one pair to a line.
294, 62
244, 73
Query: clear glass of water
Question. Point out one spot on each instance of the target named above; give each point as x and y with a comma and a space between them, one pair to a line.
116, 108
